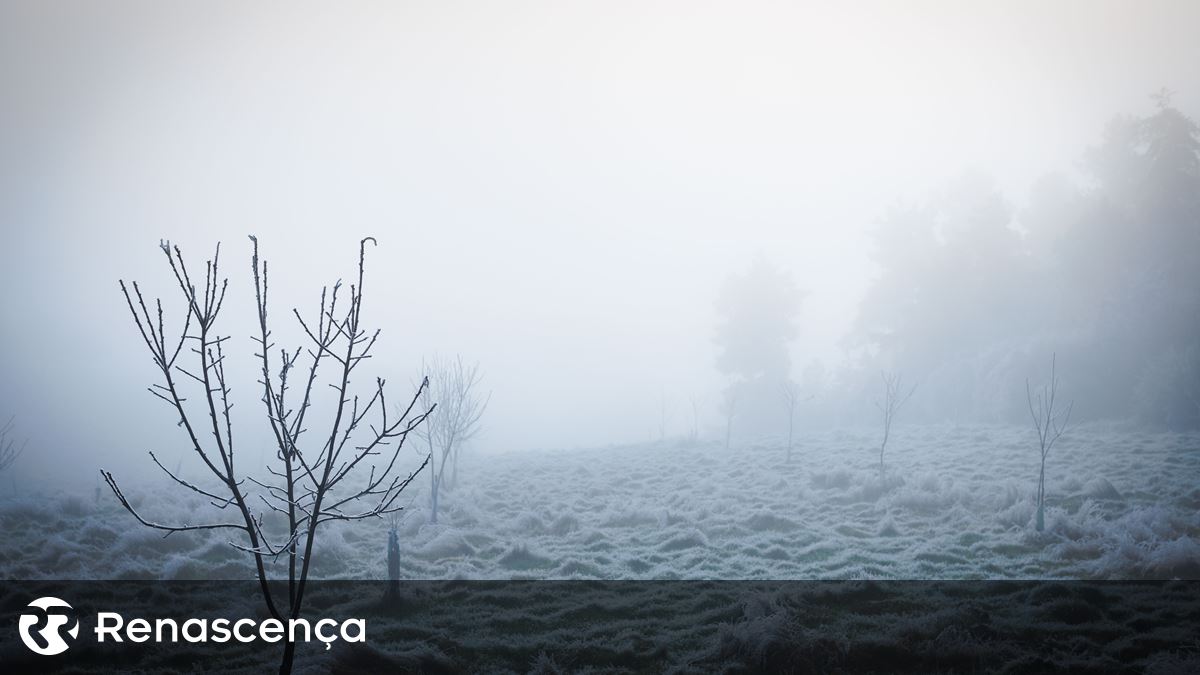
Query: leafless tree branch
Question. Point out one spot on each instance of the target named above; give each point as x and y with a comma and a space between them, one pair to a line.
1049, 422
894, 398
349, 473
453, 386
10, 450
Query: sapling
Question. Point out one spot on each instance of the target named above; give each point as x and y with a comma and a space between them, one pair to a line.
454, 388
731, 401
1049, 422
894, 398
791, 398
347, 469
10, 450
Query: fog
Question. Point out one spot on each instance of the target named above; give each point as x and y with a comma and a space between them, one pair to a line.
559, 191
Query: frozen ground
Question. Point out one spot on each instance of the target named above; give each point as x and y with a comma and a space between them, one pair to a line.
955, 503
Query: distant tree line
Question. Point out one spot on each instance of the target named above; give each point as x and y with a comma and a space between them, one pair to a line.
972, 295
1104, 271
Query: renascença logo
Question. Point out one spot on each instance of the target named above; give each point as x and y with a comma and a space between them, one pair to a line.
42, 631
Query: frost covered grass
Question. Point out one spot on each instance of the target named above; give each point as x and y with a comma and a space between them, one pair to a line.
955, 503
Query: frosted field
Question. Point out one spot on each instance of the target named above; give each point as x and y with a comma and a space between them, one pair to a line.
956, 503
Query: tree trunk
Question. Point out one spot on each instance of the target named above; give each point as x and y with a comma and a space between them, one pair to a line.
433, 490
393, 565
289, 655
434, 505
1041, 499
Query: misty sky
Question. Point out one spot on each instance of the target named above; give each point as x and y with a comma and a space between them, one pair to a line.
558, 189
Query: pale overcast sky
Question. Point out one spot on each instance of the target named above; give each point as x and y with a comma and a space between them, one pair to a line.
558, 189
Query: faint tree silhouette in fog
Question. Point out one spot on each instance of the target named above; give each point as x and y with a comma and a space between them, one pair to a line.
730, 408
894, 398
1049, 421
1132, 270
790, 392
9, 449
757, 312
454, 388
349, 472
952, 273
694, 434
1114, 260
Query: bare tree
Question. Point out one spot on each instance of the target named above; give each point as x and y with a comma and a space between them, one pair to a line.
453, 386
9, 449
349, 472
1049, 421
894, 398
731, 404
791, 397
695, 433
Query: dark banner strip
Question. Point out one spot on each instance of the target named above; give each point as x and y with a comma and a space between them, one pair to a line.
606, 626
